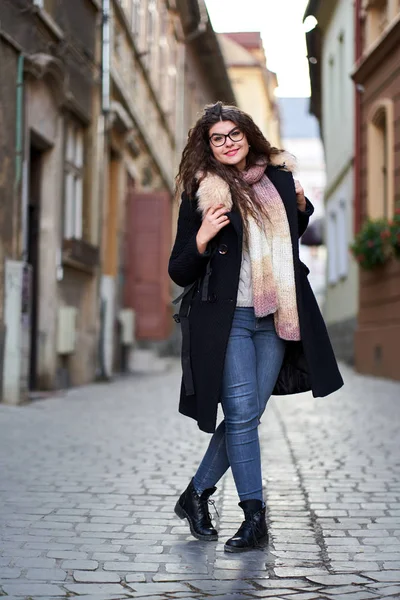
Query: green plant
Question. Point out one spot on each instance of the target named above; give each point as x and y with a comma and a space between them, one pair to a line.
370, 247
394, 233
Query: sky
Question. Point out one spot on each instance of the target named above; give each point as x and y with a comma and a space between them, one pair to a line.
282, 32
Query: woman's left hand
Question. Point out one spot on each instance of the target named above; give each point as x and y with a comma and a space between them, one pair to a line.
301, 199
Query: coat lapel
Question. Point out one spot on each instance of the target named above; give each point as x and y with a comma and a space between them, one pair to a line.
236, 222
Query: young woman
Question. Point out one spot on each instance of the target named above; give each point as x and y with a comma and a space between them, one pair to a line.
251, 326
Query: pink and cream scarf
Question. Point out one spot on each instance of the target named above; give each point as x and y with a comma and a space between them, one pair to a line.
270, 248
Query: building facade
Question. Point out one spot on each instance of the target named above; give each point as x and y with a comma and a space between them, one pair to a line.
377, 77
165, 64
253, 83
331, 60
49, 239
96, 98
300, 136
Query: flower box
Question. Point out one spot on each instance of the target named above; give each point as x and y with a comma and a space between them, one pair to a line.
378, 328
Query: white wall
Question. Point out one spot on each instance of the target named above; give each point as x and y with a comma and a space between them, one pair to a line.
338, 132
342, 271
310, 172
338, 90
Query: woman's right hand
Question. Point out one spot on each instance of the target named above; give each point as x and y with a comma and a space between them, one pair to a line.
214, 220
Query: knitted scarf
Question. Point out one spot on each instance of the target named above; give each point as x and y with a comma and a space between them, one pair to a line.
271, 257
270, 248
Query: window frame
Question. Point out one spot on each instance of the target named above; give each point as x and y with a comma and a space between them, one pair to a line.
337, 241
74, 180
382, 110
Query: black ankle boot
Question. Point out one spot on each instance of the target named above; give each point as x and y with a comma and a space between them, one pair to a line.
194, 508
253, 531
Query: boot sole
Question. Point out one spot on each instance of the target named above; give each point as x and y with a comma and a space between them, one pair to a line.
263, 543
182, 514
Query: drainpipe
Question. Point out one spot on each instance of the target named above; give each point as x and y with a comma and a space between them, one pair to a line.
201, 26
18, 140
357, 122
106, 57
102, 133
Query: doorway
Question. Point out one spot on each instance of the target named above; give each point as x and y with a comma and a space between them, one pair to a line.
33, 258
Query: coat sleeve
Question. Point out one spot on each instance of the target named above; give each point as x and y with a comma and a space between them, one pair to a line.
186, 264
303, 216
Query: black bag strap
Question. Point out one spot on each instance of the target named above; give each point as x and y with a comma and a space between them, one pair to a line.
184, 293
182, 317
187, 374
206, 281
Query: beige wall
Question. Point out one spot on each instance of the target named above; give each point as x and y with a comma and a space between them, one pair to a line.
44, 119
147, 85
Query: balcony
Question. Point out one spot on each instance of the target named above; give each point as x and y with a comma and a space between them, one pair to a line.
80, 255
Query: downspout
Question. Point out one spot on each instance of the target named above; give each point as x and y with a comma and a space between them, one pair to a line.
18, 144
357, 121
201, 26
106, 66
105, 110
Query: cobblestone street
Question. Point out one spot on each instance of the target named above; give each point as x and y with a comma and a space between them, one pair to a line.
89, 480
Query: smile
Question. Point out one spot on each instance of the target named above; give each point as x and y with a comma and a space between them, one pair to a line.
232, 152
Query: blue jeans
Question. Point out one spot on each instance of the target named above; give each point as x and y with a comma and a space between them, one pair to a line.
253, 360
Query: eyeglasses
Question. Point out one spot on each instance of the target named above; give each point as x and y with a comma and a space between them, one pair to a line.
219, 139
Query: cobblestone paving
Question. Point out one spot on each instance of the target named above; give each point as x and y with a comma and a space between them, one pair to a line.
88, 484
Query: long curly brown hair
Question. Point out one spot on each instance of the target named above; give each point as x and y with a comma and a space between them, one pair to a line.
198, 158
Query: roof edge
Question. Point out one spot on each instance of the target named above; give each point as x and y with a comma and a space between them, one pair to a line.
312, 9
200, 34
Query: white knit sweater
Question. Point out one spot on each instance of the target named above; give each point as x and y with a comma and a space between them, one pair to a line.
245, 291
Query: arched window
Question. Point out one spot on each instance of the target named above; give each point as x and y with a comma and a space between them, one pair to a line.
380, 172
377, 16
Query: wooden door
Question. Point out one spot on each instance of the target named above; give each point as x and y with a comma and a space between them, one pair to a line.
148, 245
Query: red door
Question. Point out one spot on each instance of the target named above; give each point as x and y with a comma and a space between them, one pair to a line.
148, 245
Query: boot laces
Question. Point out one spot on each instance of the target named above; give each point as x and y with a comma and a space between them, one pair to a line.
257, 544
206, 502
212, 503
253, 528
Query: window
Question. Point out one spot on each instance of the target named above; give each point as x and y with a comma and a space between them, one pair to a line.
377, 19
74, 159
172, 75
332, 86
342, 239
337, 241
163, 55
133, 13
136, 16
380, 172
44, 4
332, 256
342, 72
151, 37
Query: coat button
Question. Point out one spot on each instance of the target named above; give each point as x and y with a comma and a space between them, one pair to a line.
212, 297
223, 249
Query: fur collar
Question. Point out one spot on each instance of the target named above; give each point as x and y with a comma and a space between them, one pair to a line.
214, 190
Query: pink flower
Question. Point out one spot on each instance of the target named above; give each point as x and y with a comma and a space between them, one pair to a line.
370, 243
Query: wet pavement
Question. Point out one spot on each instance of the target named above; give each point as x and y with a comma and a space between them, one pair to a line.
88, 482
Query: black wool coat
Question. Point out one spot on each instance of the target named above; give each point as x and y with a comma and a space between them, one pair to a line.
308, 365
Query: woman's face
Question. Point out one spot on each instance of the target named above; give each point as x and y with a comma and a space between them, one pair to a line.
229, 150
